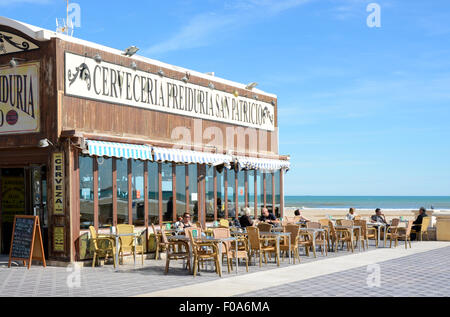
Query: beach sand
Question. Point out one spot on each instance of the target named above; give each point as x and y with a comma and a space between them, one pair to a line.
315, 214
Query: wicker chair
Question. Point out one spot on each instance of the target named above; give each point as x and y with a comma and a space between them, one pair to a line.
346, 234
102, 247
321, 237
404, 234
203, 251
363, 233
174, 250
294, 230
258, 244
230, 250
127, 243
264, 227
423, 228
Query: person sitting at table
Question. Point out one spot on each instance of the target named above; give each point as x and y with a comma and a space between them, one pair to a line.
418, 223
268, 217
378, 217
351, 214
245, 220
185, 221
299, 216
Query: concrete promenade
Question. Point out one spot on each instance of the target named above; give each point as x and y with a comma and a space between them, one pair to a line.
423, 270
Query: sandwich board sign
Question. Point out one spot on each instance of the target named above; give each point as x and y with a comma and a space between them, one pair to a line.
26, 241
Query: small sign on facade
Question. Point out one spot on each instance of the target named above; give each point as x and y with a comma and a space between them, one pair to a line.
58, 183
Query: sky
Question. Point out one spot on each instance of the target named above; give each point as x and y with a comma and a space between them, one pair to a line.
362, 110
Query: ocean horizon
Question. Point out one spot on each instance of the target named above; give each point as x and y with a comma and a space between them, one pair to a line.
368, 202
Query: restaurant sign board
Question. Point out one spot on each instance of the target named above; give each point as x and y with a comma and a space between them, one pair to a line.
102, 81
58, 183
19, 99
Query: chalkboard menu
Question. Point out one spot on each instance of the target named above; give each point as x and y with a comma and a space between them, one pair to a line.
22, 238
26, 242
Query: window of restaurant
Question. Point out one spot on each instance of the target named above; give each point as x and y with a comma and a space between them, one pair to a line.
137, 182
251, 190
105, 192
181, 189
122, 190
193, 192
277, 194
241, 191
209, 193
269, 194
86, 192
231, 193
153, 193
167, 191
220, 179
260, 191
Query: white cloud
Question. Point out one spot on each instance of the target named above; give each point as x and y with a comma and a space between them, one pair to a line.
209, 26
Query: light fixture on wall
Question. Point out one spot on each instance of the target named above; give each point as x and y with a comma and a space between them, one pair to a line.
15, 61
130, 51
251, 86
273, 103
186, 77
236, 93
133, 65
255, 97
97, 58
161, 72
45, 143
211, 85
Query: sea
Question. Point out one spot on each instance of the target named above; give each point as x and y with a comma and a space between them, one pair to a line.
369, 202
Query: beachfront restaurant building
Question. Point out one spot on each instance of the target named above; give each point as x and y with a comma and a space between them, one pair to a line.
94, 136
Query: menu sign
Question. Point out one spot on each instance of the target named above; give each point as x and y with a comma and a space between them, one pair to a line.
26, 241
107, 82
22, 238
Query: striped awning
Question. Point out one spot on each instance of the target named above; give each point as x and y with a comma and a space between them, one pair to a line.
191, 157
119, 150
270, 165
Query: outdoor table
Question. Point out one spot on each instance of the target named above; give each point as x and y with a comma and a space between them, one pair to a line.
352, 228
116, 236
314, 232
379, 225
278, 236
218, 241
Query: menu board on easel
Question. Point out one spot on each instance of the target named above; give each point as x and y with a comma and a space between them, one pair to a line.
26, 241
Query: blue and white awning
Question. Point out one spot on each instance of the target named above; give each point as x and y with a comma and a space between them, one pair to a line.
269, 165
119, 150
191, 157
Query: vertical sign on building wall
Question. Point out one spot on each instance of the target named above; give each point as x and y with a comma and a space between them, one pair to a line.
58, 239
58, 183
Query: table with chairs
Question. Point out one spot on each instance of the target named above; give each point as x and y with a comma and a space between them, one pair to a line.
198, 246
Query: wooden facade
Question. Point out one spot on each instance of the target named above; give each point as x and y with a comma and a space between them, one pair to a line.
67, 121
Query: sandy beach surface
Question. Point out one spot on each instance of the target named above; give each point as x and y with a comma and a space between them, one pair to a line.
315, 214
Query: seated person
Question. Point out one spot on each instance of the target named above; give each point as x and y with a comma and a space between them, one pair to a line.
418, 222
245, 220
299, 216
185, 221
351, 214
268, 217
378, 217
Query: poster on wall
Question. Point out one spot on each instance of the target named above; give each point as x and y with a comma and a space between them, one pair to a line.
13, 197
58, 239
58, 183
19, 99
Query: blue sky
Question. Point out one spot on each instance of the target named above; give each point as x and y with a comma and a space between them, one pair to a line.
362, 111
